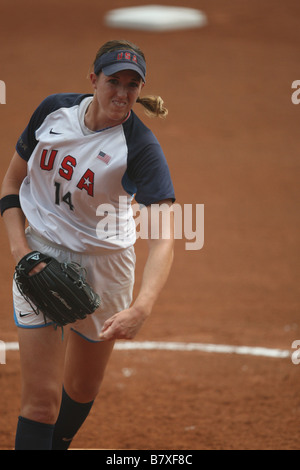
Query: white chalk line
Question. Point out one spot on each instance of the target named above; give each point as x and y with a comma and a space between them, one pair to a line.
178, 346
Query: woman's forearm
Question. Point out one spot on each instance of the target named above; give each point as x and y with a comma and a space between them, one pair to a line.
14, 221
156, 272
13, 217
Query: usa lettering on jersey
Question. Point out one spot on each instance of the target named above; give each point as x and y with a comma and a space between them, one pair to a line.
66, 170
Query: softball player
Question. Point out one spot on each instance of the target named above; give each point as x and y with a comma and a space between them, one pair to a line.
77, 166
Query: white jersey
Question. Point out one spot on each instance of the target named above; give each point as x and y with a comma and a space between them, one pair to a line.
80, 184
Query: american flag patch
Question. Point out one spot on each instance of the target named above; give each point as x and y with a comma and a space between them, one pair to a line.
104, 157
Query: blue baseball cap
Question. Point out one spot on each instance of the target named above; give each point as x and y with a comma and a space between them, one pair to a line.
115, 61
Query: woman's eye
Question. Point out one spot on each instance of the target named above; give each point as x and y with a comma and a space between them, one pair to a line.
115, 82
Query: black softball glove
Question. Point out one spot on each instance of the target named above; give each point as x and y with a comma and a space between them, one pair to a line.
59, 290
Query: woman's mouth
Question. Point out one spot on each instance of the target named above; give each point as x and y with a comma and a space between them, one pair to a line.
119, 104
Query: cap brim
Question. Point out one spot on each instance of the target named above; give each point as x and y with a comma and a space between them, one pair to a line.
114, 68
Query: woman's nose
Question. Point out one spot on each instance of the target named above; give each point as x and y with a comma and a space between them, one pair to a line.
121, 91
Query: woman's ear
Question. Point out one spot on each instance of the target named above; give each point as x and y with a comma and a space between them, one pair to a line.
94, 79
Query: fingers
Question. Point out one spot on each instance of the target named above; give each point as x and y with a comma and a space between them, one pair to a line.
37, 268
112, 331
104, 332
123, 325
108, 331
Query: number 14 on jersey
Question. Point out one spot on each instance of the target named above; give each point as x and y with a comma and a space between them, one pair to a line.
66, 198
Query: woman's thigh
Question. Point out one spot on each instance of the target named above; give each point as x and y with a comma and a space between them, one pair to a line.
42, 354
85, 366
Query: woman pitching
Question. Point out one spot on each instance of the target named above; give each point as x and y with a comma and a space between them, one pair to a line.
77, 167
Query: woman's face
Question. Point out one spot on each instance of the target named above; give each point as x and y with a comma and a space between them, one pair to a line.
116, 94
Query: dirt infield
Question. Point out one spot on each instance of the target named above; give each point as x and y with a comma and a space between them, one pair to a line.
232, 142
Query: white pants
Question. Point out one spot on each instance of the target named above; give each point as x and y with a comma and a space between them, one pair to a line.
111, 274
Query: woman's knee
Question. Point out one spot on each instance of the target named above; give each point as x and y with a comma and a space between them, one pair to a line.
43, 406
82, 391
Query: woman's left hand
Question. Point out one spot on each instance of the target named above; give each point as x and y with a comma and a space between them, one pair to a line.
123, 325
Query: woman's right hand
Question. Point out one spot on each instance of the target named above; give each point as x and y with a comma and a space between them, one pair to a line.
21, 254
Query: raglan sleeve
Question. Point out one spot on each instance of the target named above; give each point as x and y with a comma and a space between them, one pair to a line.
150, 173
27, 140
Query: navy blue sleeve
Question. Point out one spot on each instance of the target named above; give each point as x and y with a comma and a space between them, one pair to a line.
148, 174
27, 141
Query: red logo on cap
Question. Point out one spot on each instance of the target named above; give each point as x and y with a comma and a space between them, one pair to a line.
127, 56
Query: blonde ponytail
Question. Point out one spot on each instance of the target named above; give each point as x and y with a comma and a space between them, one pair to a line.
154, 106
